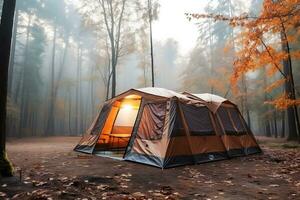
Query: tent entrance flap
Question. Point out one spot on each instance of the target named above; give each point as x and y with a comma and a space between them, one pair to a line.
118, 126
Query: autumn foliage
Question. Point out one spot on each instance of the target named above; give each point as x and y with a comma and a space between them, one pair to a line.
263, 42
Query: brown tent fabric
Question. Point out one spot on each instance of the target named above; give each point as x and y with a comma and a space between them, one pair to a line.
163, 128
151, 126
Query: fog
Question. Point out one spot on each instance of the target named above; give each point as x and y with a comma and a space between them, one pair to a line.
60, 69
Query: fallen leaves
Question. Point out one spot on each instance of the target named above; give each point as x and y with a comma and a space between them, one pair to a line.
258, 175
2, 194
273, 185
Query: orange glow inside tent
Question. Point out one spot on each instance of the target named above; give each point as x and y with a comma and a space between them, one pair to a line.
119, 124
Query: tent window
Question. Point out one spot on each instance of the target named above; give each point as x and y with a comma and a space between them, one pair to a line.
126, 117
236, 118
178, 129
152, 122
198, 120
225, 121
110, 120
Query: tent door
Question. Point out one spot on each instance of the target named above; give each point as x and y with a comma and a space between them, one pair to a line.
118, 128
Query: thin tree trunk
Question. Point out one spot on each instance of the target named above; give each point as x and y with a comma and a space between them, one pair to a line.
282, 124
23, 88
50, 120
245, 101
151, 42
70, 108
114, 83
92, 93
268, 128
275, 124
60, 72
114, 33
78, 92
266, 118
17, 95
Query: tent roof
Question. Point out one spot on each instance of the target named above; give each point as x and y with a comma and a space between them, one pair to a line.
210, 98
212, 101
162, 92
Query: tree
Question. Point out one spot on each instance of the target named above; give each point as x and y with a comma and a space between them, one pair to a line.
32, 81
276, 20
145, 47
113, 14
116, 23
6, 26
55, 12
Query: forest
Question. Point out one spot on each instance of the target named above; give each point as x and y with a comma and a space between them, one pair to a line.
62, 60
70, 68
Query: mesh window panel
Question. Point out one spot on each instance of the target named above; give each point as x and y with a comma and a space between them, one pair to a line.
152, 123
198, 120
225, 120
103, 118
237, 120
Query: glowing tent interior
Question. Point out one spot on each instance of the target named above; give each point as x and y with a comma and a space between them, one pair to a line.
163, 128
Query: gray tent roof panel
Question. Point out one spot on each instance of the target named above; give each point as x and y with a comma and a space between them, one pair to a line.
162, 92
210, 97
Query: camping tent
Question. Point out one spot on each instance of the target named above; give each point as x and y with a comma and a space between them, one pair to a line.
164, 128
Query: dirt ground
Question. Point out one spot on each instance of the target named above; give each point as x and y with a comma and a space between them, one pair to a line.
49, 169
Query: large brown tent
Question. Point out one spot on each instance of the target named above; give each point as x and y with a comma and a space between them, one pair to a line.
163, 128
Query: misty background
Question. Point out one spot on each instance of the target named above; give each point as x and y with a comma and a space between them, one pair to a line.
59, 73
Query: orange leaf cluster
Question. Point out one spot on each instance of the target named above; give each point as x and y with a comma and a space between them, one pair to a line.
283, 102
261, 41
275, 84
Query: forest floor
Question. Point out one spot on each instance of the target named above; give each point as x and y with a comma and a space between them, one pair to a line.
49, 169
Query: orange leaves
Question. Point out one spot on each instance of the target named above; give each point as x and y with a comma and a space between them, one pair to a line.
283, 102
276, 18
275, 84
262, 43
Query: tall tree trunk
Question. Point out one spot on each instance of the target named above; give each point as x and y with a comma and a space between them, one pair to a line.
113, 66
114, 33
282, 124
11, 122
266, 110
151, 42
12, 53
6, 26
78, 92
17, 93
50, 121
109, 74
292, 111
23, 88
268, 128
275, 124
81, 105
59, 77
92, 93
70, 108
245, 101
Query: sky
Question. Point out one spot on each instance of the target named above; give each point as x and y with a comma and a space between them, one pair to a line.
172, 22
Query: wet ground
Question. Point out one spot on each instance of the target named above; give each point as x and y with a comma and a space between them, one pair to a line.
49, 169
